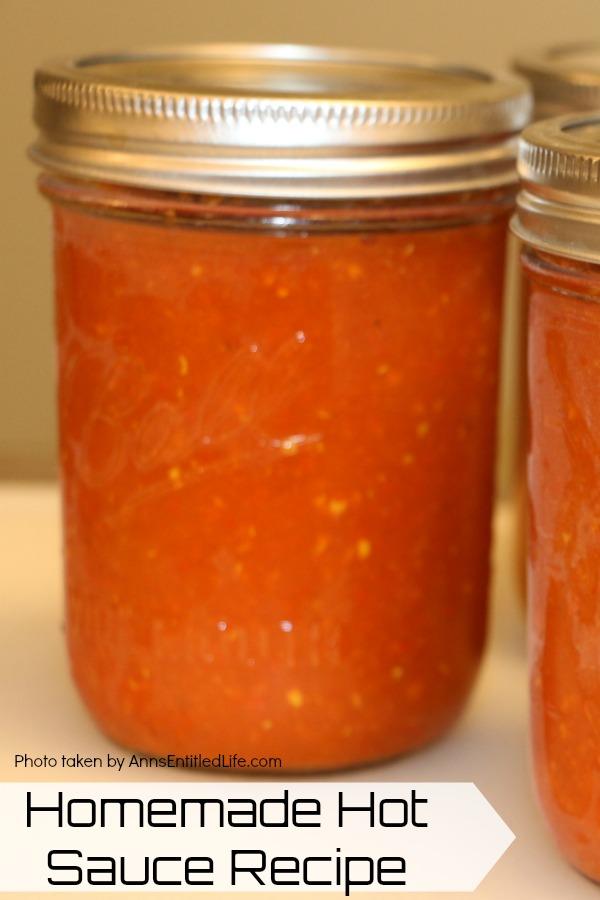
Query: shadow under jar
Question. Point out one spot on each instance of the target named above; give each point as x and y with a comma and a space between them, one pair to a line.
278, 315
558, 219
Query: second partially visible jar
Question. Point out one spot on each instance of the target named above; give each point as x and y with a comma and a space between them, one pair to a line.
558, 219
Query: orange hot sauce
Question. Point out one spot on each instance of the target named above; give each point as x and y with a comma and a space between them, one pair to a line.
265, 551
565, 549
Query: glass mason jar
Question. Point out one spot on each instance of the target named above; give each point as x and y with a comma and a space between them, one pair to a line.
558, 220
564, 78
278, 283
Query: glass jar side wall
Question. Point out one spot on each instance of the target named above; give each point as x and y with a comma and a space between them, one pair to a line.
564, 502
277, 447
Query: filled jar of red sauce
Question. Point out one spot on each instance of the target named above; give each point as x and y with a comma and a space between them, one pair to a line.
558, 220
564, 78
278, 286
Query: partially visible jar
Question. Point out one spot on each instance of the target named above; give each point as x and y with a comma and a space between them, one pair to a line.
564, 78
558, 219
279, 281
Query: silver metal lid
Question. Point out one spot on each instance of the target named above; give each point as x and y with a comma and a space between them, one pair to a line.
565, 77
558, 209
279, 121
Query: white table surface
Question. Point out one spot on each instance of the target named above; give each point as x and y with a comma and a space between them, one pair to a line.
41, 712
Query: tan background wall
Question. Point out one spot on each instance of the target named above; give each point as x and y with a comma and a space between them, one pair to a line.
476, 31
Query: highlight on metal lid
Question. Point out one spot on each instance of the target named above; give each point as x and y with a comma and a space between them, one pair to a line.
558, 208
279, 120
564, 77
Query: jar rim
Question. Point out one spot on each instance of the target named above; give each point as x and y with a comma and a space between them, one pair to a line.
279, 120
558, 207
